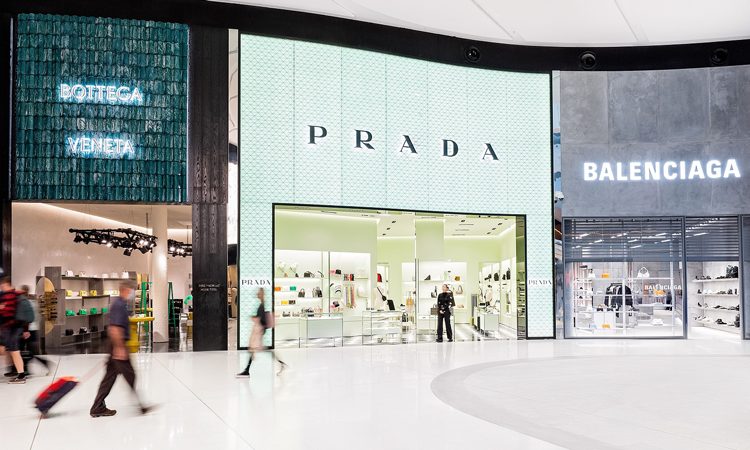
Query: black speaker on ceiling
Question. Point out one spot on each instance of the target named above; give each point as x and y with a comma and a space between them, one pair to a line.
719, 56
587, 61
473, 54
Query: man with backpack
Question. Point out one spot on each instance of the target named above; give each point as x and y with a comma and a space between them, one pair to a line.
30, 338
262, 321
15, 315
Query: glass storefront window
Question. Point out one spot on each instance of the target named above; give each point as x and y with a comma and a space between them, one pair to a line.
624, 278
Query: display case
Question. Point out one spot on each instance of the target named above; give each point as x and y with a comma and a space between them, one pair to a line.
714, 295
381, 327
624, 277
326, 326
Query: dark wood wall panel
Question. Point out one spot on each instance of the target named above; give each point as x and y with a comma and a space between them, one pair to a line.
6, 146
208, 156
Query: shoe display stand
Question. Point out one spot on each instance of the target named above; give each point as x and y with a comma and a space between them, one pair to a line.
625, 299
318, 284
714, 296
86, 327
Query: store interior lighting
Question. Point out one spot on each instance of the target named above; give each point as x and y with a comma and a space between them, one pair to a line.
177, 248
125, 238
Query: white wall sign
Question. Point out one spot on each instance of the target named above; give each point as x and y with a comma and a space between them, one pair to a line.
661, 170
99, 147
97, 93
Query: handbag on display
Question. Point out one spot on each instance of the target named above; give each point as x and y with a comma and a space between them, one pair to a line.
82, 274
434, 293
507, 274
605, 275
125, 275
301, 293
380, 278
361, 291
68, 293
277, 288
317, 292
459, 290
69, 273
643, 273
457, 278
308, 274
83, 293
93, 293
293, 288
591, 273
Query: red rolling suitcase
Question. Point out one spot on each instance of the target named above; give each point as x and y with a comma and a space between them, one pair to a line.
59, 389
54, 393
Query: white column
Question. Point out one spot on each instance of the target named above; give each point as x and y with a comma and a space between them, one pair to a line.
159, 284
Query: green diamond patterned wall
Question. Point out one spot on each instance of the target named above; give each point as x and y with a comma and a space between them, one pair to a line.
285, 86
150, 56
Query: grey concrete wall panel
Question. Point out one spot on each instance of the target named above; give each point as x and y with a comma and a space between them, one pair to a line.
700, 114
683, 105
633, 107
723, 103
743, 101
583, 107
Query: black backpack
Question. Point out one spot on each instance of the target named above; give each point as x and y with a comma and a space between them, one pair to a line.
262, 315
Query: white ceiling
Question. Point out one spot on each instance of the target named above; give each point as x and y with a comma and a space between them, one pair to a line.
402, 223
178, 216
547, 22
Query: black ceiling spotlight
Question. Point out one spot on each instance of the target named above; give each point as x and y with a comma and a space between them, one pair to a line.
719, 56
177, 248
126, 238
587, 60
473, 54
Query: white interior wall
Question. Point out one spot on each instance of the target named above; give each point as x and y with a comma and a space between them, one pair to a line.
40, 238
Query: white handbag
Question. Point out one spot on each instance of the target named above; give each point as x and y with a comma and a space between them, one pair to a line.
642, 272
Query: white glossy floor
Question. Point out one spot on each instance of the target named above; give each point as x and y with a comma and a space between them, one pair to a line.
491, 394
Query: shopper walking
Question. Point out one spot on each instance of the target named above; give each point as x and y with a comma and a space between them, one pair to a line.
30, 339
119, 358
11, 329
445, 302
261, 322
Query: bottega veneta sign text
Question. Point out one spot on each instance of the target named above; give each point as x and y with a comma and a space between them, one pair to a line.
661, 170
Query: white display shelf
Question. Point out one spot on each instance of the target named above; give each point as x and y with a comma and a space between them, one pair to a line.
720, 295
728, 328
714, 280
298, 279
716, 309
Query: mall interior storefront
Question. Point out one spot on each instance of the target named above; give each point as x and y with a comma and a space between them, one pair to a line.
655, 233
429, 166
345, 276
654, 277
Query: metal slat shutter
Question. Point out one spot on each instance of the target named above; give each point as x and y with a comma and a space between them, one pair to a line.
712, 239
623, 239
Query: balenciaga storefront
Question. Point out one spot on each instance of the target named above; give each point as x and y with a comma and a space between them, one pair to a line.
654, 176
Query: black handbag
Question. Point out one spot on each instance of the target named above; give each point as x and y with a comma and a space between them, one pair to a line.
507, 274
308, 274
496, 276
301, 293
317, 292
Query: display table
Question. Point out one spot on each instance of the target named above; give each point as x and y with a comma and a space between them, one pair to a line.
489, 322
325, 326
286, 328
134, 342
461, 315
381, 325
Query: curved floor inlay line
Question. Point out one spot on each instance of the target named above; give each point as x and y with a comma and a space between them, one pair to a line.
610, 402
